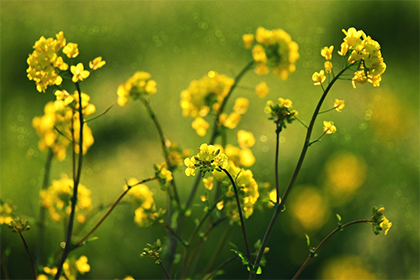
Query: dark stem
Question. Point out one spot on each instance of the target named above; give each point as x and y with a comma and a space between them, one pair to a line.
295, 174
312, 254
276, 164
29, 255
235, 188
42, 209
76, 179
110, 210
220, 266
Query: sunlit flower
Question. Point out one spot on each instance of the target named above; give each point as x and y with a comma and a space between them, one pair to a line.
208, 183
385, 225
328, 66
191, 166
208, 159
245, 139
319, 78
97, 63
230, 121
329, 127
163, 174
262, 89
281, 112
82, 265
338, 105
241, 105
6, 209
79, 72
71, 50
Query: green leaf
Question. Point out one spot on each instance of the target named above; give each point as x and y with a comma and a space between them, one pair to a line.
338, 218
308, 240
244, 260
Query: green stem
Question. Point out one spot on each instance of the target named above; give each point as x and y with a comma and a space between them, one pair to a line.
312, 254
76, 179
219, 249
295, 174
81, 241
235, 188
29, 255
42, 209
224, 102
220, 266
276, 164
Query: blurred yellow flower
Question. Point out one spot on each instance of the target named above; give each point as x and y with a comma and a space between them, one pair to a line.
329, 127
97, 63
245, 139
6, 209
338, 105
262, 89
328, 66
82, 265
71, 50
241, 105
208, 183
346, 268
137, 86
319, 78
248, 40
200, 126
326, 52
385, 225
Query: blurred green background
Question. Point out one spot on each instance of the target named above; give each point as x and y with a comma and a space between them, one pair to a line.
373, 159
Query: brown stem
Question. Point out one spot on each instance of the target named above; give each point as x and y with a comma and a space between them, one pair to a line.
29, 255
313, 253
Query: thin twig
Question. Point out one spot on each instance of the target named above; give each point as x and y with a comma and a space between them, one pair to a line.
29, 254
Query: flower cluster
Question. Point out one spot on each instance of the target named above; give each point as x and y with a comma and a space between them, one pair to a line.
138, 86
46, 63
60, 118
204, 96
329, 127
208, 159
367, 52
6, 210
71, 268
57, 199
281, 113
274, 49
142, 198
247, 191
242, 155
19, 225
232, 120
163, 174
380, 222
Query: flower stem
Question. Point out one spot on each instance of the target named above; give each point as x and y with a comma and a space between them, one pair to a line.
224, 102
312, 254
235, 188
295, 173
41, 222
76, 179
29, 254
276, 164
80, 242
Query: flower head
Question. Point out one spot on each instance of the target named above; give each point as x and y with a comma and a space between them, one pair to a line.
329, 127
97, 63
208, 159
274, 49
281, 112
262, 89
327, 52
319, 78
137, 86
71, 50
338, 105
379, 221
79, 72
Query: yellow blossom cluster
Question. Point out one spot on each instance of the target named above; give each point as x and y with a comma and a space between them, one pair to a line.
208, 159
57, 199
281, 112
204, 96
137, 86
380, 222
46, 63
274, 49
329, 127
60, 118
71, 268
176, 155
247, 191
232, 120
6, 210
163, 174
262, 89
142, 198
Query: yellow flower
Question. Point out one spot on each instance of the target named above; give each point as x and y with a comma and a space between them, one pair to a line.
82, 265
163, 174
385, 225
328, 66
45, 64
327, 52
248, 40
200, 126
245, 139
262, 89
241, 105
319, 78
97, 63
338, 105
6, 209
79, 72
281, 113
190, 163
139, 85
56, 198
208, 183
272, 196
230, 121
329, 127
71, 50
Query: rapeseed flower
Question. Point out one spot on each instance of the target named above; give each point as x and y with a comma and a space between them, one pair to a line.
281, 112
208, 159
138, 86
